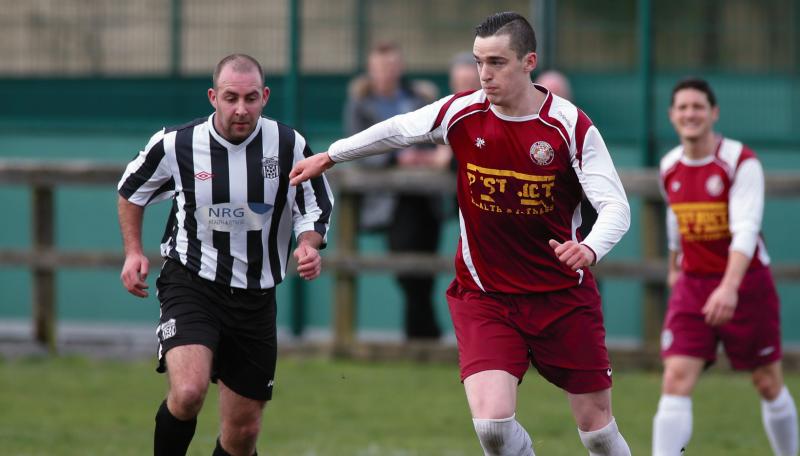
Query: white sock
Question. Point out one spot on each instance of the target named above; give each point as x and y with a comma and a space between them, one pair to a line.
606, 441
780, 422
672, 425
503, 437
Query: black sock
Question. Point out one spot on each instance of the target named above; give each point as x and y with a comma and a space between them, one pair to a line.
218, 451
172, 436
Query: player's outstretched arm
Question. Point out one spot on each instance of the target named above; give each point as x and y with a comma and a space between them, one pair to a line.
310, 167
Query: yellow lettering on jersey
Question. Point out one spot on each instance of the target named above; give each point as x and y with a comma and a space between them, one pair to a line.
535, 193
707, 221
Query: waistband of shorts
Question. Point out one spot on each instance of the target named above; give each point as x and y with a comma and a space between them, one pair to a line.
217, 285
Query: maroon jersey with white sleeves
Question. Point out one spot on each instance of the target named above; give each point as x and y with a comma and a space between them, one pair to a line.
520, 182
715, 205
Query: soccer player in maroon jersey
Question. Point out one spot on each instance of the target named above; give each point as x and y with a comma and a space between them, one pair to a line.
523, 293
722, 288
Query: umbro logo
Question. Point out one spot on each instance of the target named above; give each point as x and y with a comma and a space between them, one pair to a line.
203, 175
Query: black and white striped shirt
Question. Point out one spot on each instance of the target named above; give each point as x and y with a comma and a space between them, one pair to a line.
233, 209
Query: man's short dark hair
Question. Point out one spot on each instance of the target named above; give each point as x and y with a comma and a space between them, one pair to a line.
697, 84
242, 63
523, 39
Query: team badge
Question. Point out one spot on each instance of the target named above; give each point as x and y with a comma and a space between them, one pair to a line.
168, 329
714, 185
666, 339
480, 142
542, 153
269, 167
676, 185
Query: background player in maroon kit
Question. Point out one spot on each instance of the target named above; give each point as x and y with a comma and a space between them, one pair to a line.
523, 293
722, 288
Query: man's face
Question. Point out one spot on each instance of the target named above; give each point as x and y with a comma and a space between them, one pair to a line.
503, 75
463, 78
692, 114
385, 70
238, 100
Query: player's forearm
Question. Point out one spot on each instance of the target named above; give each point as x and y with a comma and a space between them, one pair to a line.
399, 132
130, 223
613, 221
735, 269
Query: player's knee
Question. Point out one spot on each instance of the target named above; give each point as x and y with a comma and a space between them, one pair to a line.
503, 437
768, 386
189, 397
678, 382
243, 433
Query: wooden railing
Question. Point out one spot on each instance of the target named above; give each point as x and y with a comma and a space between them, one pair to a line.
43, 258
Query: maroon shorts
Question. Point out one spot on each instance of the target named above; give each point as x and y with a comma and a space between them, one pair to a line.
751, 339
560, 333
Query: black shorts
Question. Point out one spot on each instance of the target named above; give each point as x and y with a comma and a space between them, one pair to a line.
238, 325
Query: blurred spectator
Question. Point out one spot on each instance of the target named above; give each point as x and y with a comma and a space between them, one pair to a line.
464, 73
559, 85
412, 222
556, 82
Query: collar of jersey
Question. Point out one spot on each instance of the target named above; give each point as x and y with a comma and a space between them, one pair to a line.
697, 161
513, 118
225, 142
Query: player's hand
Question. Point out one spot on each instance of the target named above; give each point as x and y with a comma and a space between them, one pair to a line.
721, 305
134, 274
310, 167
574, 255
309, 263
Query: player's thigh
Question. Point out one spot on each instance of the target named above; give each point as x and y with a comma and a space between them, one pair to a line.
248, 348
491, 394
571, 352
189, 366
685, 331
753, 337
591, 411
487, 339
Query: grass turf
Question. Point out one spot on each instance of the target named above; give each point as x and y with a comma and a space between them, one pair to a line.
76, 406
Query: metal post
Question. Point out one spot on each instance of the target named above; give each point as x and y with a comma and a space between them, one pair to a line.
297, 321
361, 35
344, 281
653, 230
42, 222
176, 24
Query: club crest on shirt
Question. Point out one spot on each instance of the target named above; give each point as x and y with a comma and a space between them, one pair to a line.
269, 167
714, 185
542, 153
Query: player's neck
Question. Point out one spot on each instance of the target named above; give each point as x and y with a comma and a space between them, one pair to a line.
528, 102
701, 147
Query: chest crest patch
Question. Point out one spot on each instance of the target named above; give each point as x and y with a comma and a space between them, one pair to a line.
714, 185
542, 153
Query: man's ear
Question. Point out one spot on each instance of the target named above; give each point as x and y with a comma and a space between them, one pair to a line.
529, 61
265, 96
212, 98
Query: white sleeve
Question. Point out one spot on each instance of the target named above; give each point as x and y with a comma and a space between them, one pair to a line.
746, 206
602, 187
398, 132
673, 231
147, 178
313, 202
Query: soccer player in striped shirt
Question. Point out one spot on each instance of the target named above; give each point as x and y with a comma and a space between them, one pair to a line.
722, 288
523, 293
226, 247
